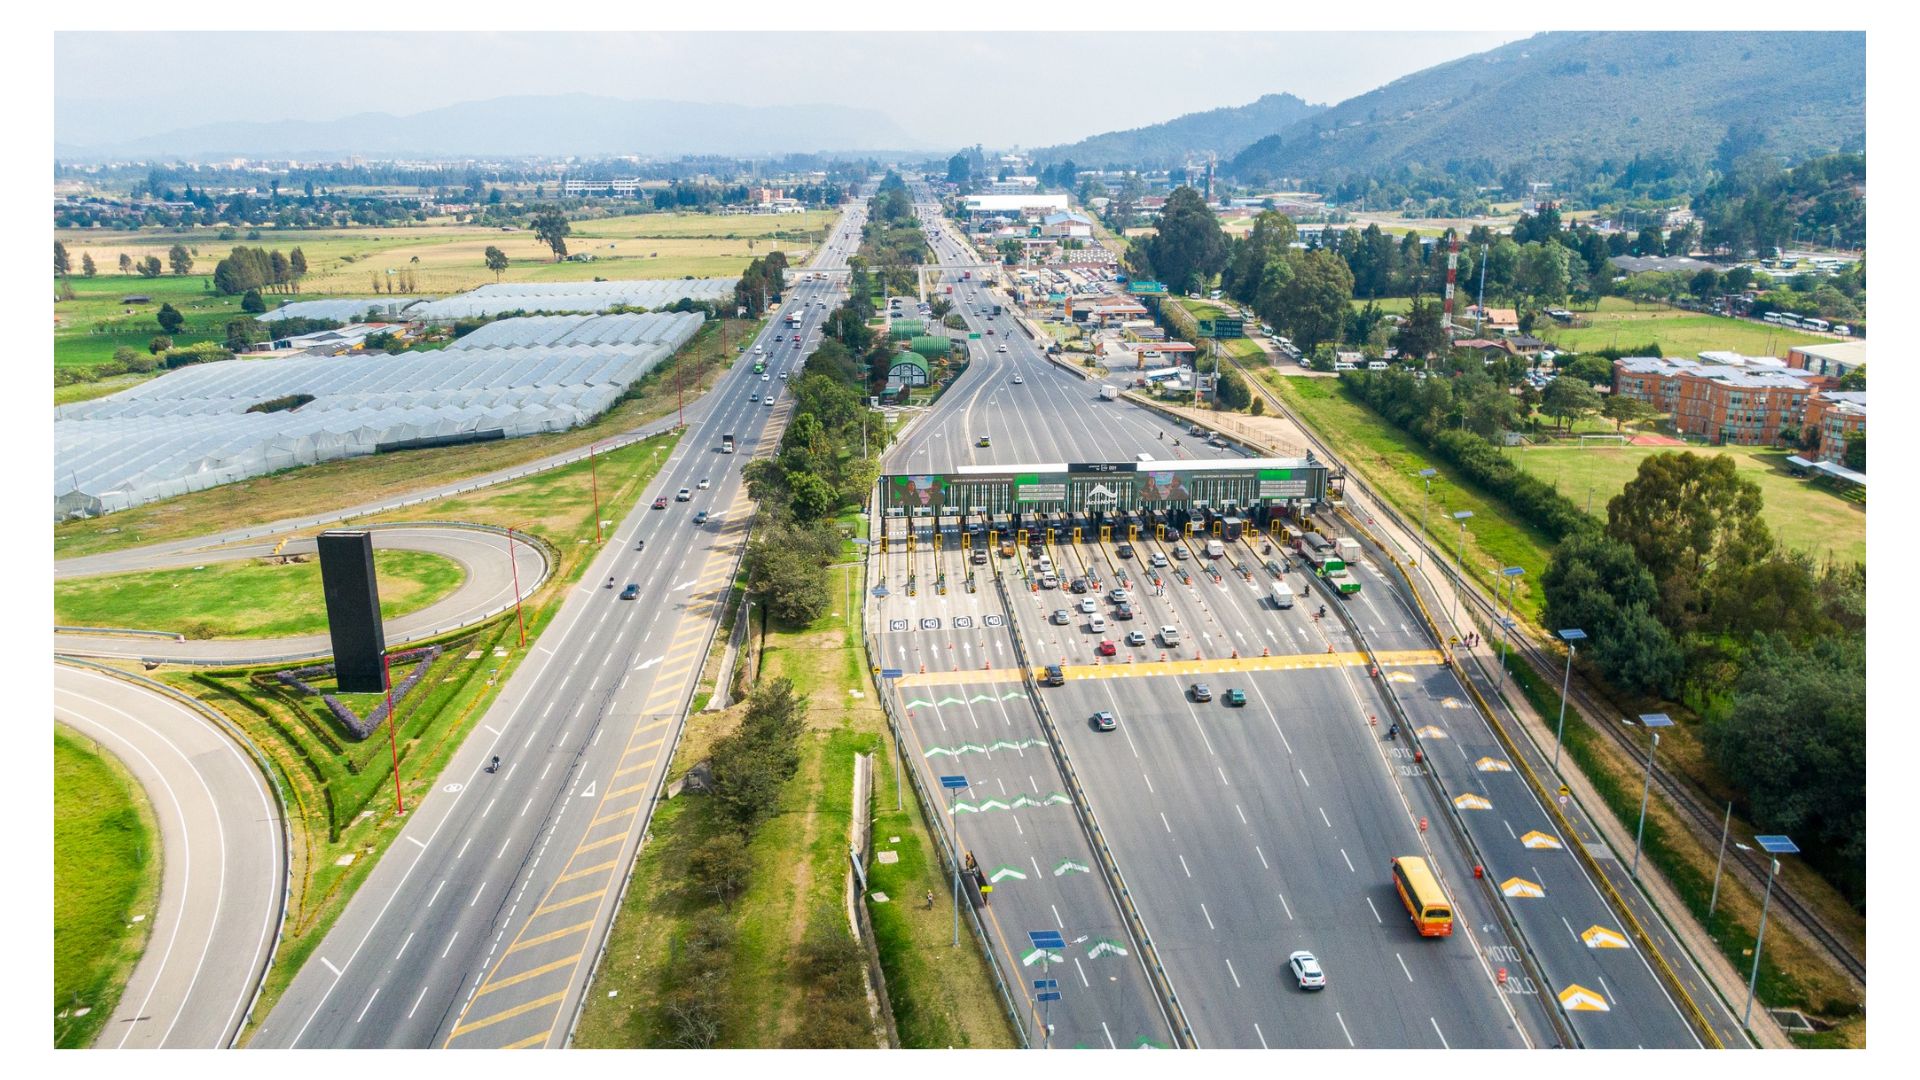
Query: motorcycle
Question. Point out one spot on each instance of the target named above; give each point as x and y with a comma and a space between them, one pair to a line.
609, 583
494, 765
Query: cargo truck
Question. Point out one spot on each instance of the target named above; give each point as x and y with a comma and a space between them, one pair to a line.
726, 444
1282, 595
1349, 549
1109, 392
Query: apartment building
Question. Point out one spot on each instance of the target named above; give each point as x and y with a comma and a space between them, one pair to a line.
1832, 416
1718, 403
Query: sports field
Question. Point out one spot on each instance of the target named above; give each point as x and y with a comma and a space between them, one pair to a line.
1621, 324
1802, 516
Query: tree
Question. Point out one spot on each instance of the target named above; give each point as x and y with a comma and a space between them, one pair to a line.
1543, 272
1424, 334
60, 262
87, 269
1597, 585
722, 866
794, 585
243, 332
170, 320
1188, 248
551, 228
159, 343
1855, 455
496, 261
959, 169
1693, 522
1271, 239
150, 266
1308, 294
252, 302
126, 263
1623, 410
180, 260
297, 262
1009, 250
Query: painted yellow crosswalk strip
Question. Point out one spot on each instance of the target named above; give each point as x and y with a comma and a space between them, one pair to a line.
578, 874
523, 976
531, 1040
508, 1014
581, 899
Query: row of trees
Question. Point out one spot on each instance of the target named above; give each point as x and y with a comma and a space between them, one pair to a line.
257, 269
761, 283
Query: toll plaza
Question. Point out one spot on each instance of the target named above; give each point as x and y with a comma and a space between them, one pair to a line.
1098, 501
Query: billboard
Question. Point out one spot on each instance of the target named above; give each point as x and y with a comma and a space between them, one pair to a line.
1223, 328
1146, 288
1030, 488
920, 492
1283, 484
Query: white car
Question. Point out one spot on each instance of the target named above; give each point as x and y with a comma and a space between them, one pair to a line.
1002, 348
1306, 971
705, 483
1018, 381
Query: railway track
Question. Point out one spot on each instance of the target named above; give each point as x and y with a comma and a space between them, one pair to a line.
1701, 817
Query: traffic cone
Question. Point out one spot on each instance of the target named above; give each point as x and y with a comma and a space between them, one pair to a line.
1329, 648
923, 669
1266, 652
1236, 654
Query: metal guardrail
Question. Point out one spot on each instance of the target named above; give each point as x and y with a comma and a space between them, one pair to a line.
1175, 1015
265, 766
117, 631
1546, 799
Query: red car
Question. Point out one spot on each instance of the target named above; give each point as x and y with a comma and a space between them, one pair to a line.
1107, 648
660, 503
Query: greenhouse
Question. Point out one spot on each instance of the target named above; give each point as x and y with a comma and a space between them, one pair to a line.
384, 309
216, 423
571, 296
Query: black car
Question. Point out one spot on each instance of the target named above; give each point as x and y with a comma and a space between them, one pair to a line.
631, 592
1125, 551
700, 518
1079, 585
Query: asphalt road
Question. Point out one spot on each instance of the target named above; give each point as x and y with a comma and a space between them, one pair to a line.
223, 858
482, 924
487, 587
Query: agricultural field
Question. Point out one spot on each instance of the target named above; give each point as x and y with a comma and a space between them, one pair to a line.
1619, 323
250, 598
1802, 516
89, 327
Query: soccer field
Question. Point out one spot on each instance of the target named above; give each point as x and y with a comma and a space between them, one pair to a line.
1803, 517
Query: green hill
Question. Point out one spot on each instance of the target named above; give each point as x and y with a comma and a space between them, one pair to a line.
1224, 131
1557, 105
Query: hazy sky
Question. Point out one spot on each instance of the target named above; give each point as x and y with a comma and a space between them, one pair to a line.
1027, 89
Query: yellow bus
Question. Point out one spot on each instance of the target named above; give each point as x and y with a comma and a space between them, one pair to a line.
1419, 890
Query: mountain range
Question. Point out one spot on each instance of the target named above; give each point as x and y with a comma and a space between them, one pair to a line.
1224, 132
1561, 101
582, 125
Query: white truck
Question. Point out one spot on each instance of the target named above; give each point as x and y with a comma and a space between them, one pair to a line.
1282, 595
1349, 550
1215, 549
1109, 392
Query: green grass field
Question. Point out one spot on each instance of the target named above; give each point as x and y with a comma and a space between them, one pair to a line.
244, 599
1803, 517
1621, 324
106, 870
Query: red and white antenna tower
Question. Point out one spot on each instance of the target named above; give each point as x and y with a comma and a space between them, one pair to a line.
1453, 267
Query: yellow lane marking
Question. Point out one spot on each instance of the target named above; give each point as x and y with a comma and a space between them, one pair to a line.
603, 842
644, 746
578, 874
643, 766
617, 814
581, 899
649, 727
531, 1040
554, 935
628, 790
530, 973
509, 1014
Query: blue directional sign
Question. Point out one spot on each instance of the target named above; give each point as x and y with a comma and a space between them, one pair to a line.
1046, 939
1655, 720
1046, 984
953, 781
1047, 995
1777, 845
890, 673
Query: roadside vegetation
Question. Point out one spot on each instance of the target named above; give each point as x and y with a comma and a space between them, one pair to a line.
106, 881
251, 598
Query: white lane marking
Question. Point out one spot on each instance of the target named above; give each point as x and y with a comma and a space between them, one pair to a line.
1303, 776
476, 894
1163, 821
1349, 862
1111, 1045
1343, 1028
416, 1003
403, 946
1183, 864
489, 808
649, 663
1235, 974
1242, 813
330, 967
523, 808
436, 892
456, 934
1263, 1037
368, 1005
1403, 966
1437, 1031
1263, 857
1323, 817
1375, 910
1203, 914
1288, 908
417, 840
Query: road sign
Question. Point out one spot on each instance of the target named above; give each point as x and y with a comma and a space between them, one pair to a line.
890, 673
1777, 845
952, 782
1565, 791
1046, 984
1046, 939
1047, 995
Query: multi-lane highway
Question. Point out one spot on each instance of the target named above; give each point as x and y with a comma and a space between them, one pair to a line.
1241, 833
223, 858
481, 925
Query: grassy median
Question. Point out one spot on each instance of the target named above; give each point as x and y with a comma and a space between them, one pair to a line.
251, 598
106, 873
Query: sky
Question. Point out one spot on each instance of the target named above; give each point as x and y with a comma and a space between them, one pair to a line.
1020, 89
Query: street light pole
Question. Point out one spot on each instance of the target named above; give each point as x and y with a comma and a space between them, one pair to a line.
1461, 516
1512, 574
1719, 861
954, 817
1426, 475
513, 558
1753, 979
1573, 638
1652, 722
593, 470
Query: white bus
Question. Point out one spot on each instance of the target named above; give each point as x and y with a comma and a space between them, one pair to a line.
1821, 325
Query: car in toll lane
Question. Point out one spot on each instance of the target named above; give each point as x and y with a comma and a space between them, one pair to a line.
1104, 721
1200, 691
1107, 648
1235, 697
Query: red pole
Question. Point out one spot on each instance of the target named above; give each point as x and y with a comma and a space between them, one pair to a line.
518, 617
386, 674
593, 469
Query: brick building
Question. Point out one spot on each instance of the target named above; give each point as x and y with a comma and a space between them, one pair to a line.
1834, 358
1718, 403
1832, 416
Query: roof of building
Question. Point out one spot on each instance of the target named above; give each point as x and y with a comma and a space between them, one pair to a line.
1779, 379
1851, 353
1639, 264
1854, 401
1734, 359
1065, 216
1035, 201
